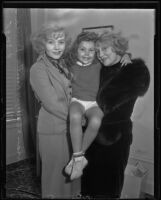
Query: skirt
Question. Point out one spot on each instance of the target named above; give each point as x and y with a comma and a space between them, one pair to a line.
55, 153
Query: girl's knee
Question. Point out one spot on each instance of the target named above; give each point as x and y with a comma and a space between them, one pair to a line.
75, 116
95, 122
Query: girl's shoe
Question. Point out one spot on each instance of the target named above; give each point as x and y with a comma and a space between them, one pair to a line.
78, 166
68, 168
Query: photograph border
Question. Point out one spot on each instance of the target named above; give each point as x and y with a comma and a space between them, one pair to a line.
85, 5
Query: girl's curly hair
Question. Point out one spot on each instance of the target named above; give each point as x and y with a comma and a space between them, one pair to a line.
38, 38
115, 40
71, 56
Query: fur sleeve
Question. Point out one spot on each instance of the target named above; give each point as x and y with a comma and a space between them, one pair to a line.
132, 81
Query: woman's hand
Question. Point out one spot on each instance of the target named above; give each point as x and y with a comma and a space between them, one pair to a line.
126, 59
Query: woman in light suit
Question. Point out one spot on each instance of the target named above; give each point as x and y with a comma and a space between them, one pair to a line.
51, 82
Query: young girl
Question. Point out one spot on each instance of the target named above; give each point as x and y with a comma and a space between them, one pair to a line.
85, 85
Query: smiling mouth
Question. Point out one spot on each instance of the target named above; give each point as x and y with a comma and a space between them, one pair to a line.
86, 58
57, 53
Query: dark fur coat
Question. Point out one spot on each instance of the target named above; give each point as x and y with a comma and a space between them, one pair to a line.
119, 89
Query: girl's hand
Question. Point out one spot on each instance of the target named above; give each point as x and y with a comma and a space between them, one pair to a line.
126, 59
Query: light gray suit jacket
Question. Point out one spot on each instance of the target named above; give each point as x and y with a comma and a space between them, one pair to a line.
53, 90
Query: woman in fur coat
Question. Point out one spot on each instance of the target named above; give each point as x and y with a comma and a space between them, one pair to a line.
119, 89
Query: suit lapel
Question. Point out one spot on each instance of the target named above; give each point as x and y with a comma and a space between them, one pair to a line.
54, 72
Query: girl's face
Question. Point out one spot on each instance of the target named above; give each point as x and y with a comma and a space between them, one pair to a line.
55, 45
86, 52
107, 55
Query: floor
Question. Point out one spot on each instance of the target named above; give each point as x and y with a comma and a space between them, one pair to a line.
21, 181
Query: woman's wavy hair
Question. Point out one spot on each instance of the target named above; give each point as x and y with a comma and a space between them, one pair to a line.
71, 56
115, 40
38, 38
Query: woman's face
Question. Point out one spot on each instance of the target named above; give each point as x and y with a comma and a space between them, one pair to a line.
55, 45
107, 55
86, 52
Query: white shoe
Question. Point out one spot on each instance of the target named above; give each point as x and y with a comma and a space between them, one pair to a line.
85, 162
68, 168
78, 166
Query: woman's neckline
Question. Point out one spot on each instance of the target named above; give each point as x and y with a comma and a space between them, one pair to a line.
114, 66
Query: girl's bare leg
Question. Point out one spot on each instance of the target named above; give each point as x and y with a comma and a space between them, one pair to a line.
76, 112
94, 116
78, 161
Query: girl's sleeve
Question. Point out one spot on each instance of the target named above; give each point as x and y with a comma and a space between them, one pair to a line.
46, 93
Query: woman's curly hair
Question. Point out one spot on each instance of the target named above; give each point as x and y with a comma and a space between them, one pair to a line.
38, 38
115, 40
71, 56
